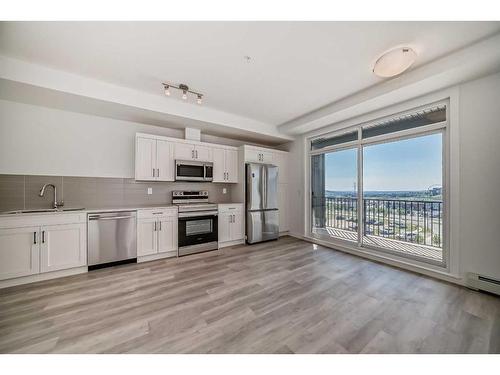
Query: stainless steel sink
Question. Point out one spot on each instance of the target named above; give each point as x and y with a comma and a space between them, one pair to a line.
41, 210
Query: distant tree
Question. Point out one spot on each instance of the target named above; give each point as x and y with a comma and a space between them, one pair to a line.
436, 240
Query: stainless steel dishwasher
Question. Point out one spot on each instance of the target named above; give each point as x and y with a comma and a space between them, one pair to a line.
112, 238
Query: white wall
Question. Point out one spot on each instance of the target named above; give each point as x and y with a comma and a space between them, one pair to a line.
44, 141
480, 176
479, 170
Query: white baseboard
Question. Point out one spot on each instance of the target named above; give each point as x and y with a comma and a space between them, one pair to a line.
230, 243
42, 277
148, 258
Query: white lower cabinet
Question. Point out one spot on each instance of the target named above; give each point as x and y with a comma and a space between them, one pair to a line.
156, 234
230, 224
19, 252
32, 245
62, 246
167, 234
146, 237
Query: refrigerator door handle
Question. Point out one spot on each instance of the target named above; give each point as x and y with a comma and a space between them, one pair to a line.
265, 174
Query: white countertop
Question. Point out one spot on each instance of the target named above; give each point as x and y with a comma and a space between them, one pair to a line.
100, 209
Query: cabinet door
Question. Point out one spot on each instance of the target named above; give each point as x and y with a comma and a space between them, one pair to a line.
184, 151
145, 159
167, 234
281, 161
62, 247
19, 252
219, 156
267, 157
146, 237
237, 226
283, 207
203, 153
232, 166
252, 156
165, 163
225, 227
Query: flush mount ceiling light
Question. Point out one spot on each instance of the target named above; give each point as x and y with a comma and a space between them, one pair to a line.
185, 91
394, 62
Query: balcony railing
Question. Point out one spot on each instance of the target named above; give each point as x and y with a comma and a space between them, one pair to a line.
414, 221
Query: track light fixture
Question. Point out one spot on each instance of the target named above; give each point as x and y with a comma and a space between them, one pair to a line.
185, 91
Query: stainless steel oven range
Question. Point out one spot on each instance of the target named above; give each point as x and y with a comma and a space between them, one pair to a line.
198, 222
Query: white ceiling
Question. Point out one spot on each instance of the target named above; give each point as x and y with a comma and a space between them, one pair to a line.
296, 67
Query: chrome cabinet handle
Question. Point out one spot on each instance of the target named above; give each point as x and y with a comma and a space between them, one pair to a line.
154, 230
196, 154
153, 172
34, 238
158, 172
43, 236
160, 224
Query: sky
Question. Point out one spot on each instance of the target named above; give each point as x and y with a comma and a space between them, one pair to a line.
411, 164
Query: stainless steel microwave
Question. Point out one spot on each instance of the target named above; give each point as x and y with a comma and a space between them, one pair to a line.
186, 170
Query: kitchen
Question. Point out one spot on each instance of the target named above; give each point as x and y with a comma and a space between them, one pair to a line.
77, 235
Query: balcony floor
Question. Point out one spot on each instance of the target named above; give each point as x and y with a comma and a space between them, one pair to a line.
406, 248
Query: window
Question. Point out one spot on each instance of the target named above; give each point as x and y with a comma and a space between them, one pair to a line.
380, 185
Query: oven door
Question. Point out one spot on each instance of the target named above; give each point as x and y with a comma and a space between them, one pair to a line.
189, 171
196, 229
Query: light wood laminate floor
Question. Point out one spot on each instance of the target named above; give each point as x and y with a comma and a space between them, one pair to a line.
286, 296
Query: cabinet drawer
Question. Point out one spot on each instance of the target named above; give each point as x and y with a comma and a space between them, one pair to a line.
157, 213
238, 207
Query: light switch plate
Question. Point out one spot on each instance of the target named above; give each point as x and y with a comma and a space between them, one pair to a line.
150, 191
224, 190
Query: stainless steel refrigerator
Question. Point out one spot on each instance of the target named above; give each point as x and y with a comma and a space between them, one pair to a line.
262, 215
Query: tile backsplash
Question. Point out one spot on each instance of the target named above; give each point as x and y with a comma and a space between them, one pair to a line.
21, 192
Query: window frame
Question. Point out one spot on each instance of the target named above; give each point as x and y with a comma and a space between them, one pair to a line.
440, 127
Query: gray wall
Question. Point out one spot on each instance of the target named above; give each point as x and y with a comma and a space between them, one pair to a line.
21, 192
37, 140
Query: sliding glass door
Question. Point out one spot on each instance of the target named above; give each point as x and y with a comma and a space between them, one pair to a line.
402, 196
380, 186
334, 194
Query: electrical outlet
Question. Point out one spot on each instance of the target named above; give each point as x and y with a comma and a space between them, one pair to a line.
224, 191
150, 191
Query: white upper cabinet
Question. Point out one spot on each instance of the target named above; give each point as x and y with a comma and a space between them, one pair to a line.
203, 153
164, 161
154, 159
225, 165
219, 165
62, 247
188, 151
145, 158
19, 252
184, 151
258, 155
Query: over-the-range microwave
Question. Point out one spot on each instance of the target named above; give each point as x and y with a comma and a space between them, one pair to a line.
186, 170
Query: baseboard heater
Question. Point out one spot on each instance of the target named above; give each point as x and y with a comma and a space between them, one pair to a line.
481, 282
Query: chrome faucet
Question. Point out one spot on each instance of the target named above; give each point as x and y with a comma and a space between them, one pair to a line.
55, 204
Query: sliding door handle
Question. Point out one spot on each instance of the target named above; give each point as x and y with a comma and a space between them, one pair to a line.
43, 236
34, 238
